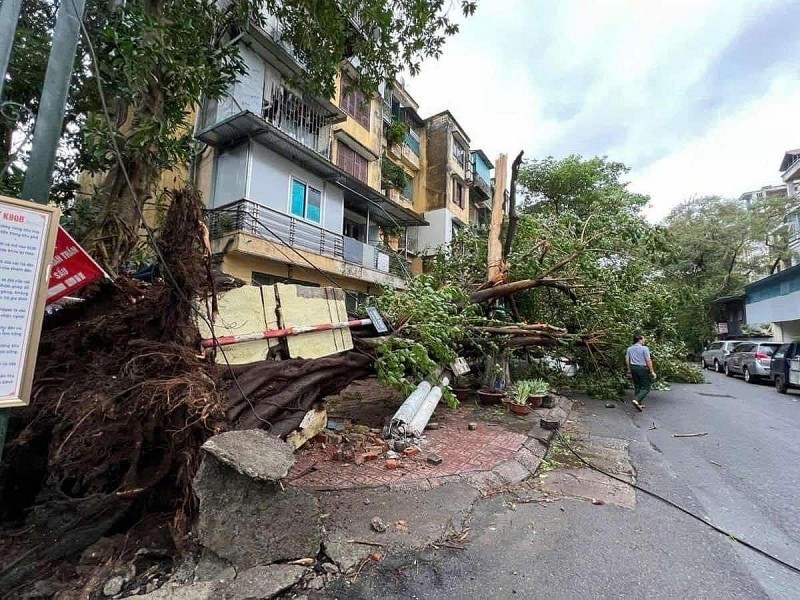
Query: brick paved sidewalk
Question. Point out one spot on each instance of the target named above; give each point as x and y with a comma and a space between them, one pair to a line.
488, 458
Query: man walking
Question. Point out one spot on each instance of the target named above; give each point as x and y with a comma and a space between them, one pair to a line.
640, 368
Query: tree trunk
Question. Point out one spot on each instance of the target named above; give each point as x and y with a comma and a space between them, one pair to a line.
512, 206
496, 271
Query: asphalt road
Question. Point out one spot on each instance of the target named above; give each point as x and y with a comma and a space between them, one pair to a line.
744, 476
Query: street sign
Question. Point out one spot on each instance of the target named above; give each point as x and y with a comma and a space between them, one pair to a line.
722, 328
27, 237
377, 320
72, 267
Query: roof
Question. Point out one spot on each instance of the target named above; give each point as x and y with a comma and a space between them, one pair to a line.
788, 158
448, 114
786, 274
483, 156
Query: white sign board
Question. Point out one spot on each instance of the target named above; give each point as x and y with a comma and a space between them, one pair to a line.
27, 236
722, 328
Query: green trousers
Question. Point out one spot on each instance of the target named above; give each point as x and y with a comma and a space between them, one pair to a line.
641, 381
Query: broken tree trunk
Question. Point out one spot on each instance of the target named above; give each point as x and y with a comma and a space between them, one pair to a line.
512, 206
497, 272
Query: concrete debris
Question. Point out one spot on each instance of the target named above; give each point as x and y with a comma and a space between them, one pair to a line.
253, 522
610, 405
114, 586
252, 452
262, 583
434, 459
378, 525
472, 426
211, 567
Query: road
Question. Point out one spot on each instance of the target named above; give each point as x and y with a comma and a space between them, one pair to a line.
743, 476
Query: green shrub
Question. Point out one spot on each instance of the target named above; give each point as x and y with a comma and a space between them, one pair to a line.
678, 371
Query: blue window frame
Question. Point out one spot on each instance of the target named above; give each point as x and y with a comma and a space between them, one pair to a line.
306, 201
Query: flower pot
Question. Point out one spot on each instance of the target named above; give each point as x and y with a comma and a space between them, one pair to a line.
488, 398
535, 400
548, 402
462, 394
519, 409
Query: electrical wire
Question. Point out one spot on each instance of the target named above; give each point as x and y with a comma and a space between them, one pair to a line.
685, 511
149, 231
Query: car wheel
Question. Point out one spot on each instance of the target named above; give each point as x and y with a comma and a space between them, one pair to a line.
747, 377
728, 371
703, 364
780, 384
717, 367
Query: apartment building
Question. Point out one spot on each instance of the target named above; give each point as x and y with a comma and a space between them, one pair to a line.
458, 184
790, 173
293, 182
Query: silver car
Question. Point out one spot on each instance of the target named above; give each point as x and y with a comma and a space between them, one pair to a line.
751, 360
717, 353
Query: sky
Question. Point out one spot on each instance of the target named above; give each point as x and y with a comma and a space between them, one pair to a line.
697, 97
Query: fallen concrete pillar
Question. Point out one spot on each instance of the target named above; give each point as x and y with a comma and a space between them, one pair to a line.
423, 414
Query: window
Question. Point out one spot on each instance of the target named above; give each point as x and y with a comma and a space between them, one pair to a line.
715, 346
459, 153
352, 162
408, 191
353, 102
458, 194
306, 201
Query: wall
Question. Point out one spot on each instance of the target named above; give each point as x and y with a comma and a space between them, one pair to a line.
247, 253
270, 180
248, 91
439, 232
786, 331
231, 174
435, 196
369, 138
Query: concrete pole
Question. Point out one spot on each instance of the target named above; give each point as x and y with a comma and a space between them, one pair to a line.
50, 119
9, 16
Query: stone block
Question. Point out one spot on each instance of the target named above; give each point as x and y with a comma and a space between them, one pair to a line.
251, 522
253, 453
511, 471
262, 583
528, 459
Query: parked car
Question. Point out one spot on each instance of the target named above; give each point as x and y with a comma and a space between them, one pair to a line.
780, 364
751, 360
714, 356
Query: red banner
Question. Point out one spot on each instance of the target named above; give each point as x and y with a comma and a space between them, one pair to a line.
72, 267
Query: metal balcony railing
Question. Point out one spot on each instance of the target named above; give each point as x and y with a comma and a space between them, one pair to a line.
288, 112
275, 226
253, 219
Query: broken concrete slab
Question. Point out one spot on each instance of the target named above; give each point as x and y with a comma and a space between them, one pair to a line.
528, 459
171, 591
428, 518
252, 452
250, 522
262, 583
211, 567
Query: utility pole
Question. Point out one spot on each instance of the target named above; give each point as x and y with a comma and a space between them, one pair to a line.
9, 15
50, 118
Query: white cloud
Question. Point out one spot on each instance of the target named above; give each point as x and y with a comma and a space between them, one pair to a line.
652, 85
738, 154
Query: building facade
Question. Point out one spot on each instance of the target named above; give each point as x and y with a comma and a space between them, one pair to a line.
776, 300
790, 173
293, 182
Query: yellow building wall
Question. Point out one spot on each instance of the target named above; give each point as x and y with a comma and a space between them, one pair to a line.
369, 138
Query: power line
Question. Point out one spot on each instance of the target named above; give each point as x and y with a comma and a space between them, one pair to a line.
685, 511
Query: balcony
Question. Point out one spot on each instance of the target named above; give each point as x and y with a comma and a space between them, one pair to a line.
354, 258
409, 153
249, 217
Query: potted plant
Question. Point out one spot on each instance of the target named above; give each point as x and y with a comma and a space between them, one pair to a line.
494, 393
519, 400
538, 391
463, 388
